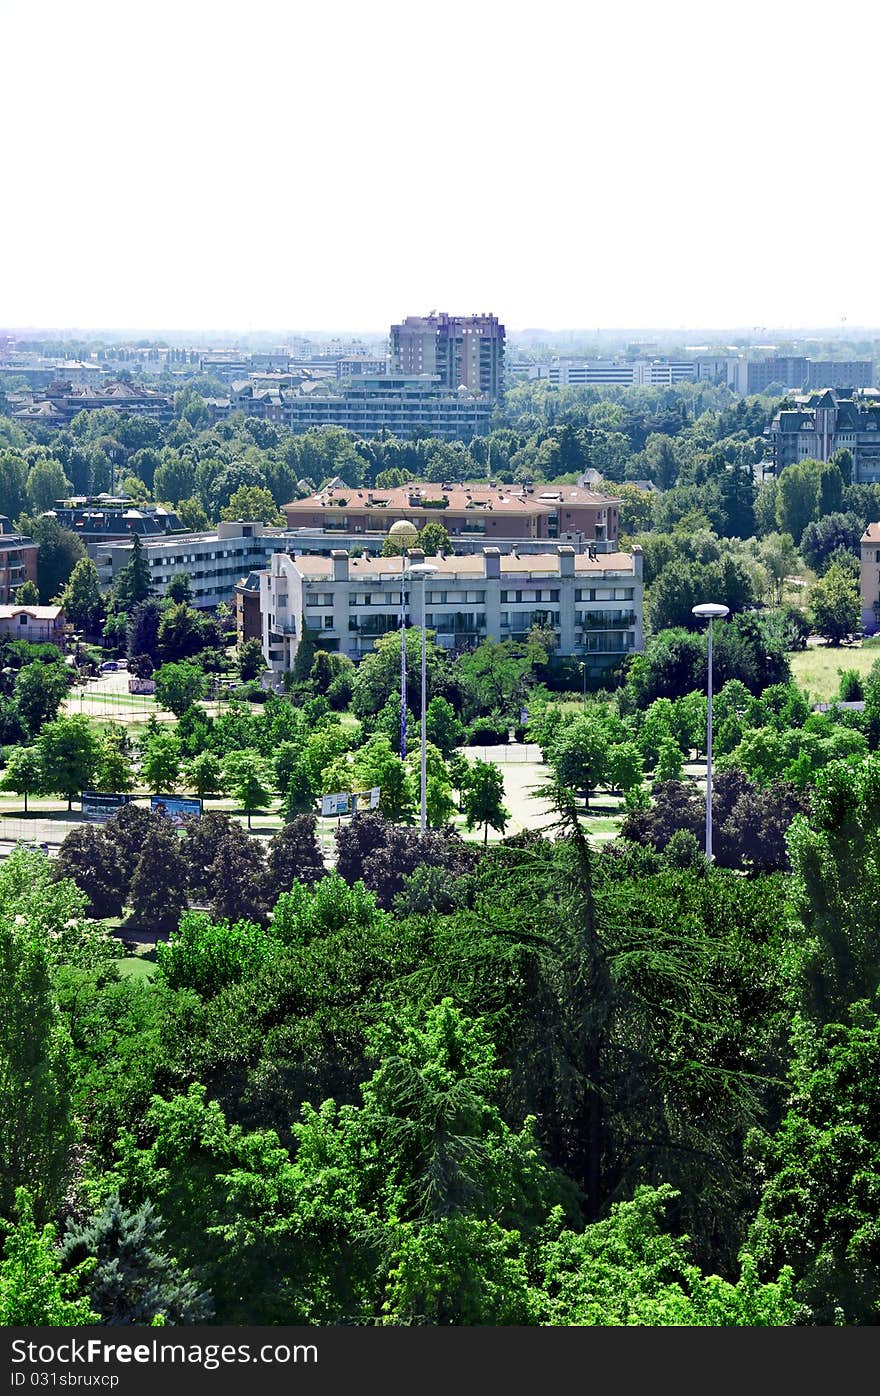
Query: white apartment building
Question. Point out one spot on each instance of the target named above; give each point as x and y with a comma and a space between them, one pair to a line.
592, 601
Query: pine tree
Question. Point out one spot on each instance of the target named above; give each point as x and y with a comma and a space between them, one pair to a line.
134, 1281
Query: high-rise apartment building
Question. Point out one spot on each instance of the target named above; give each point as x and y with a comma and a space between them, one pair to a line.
464, 350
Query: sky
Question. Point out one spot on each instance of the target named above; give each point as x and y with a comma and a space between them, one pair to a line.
334, 166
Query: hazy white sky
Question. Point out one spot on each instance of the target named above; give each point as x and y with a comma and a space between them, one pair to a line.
330, 165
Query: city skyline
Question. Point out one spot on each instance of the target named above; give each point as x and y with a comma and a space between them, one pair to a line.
598, 170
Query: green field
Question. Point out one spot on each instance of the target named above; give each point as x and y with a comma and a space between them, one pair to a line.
817, 669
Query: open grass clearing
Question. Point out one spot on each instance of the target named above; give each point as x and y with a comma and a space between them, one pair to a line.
817, 668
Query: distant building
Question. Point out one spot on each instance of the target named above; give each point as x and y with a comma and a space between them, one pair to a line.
18, 560
592, 602
490, 511
462, 350
103, 517
66, 401
361, 366
397, 403
750, 376
818, 424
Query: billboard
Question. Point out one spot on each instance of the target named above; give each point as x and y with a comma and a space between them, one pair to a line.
177, 808
340, 803
98, 806
366, 799
344, 803
142, 685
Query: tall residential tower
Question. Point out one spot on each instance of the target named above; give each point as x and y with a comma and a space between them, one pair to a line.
465, 350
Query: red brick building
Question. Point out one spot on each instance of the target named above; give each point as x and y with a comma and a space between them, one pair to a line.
492, 511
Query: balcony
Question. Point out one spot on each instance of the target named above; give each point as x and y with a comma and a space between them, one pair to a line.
601, 620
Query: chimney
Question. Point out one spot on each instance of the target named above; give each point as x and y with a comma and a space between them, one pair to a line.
340, 564
492, 562
415, 554
566, 560
637, 558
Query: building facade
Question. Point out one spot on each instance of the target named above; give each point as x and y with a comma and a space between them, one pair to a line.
18, 560
213, 561
818, 424
487, 511
869, 582
388, 402
37, 624
591, 601
463, 350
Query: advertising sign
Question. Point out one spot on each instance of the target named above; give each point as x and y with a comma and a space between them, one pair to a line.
339, 803
177, 808
366, 799
98, 806
142, 685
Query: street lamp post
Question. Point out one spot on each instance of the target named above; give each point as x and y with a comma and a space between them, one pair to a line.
421, 571
709, 611
583, 668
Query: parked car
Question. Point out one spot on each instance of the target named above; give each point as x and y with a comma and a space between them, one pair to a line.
110, 667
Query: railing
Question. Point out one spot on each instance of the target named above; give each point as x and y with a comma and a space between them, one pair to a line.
595, 619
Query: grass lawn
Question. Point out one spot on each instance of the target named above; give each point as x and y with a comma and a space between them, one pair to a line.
137, 966
817, 668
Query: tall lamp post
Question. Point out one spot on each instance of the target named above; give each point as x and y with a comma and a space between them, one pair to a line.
583, 668
709, 611
421, 571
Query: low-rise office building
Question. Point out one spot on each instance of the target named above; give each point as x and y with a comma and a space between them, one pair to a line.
592, 601
484, 511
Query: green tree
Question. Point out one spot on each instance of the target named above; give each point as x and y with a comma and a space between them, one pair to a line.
246, 776
834, 606
160, 763
58, 552
94, 863
203, 775
483, 798
28, 594
82, 600
23, 773
36, 1124
159, 887
39, 691
778, 556
669, 761
114, 771
434, 538
179, 588
181, 633
130, 1277
179, 686
34, 1292
444, 729
250, 660
579, 758
818, 1211
70, 754
46, 484
797, 497
624, 767
133, 584
252, 502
